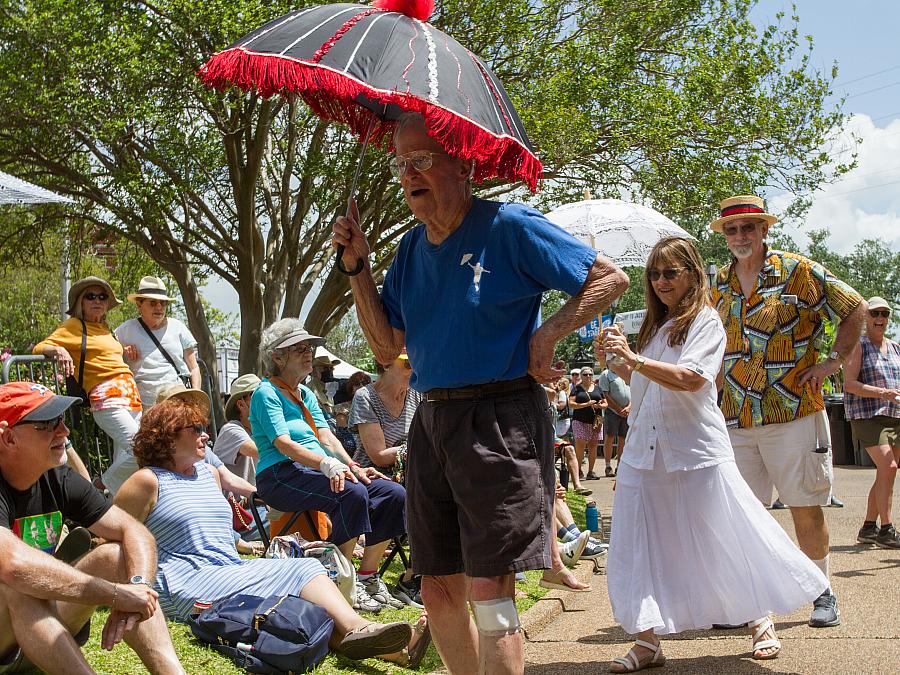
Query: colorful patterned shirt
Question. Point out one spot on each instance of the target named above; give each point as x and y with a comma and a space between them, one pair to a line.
772, 337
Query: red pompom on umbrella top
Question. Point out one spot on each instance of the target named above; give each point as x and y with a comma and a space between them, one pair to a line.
366, 65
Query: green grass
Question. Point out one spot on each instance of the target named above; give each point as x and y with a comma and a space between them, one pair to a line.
200, 660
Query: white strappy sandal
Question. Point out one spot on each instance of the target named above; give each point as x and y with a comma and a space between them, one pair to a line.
761, 626
632, 663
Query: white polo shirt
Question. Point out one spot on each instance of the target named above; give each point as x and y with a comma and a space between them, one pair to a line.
687, 427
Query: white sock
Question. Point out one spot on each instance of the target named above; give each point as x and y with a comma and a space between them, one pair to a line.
823, 565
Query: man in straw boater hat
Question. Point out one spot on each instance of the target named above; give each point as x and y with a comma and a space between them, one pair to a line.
48, 592
159, 350
773, 305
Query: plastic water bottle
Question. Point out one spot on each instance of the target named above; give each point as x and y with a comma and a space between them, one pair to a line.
592, 517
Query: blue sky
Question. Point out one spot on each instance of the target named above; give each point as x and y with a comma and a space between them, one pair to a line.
861, 37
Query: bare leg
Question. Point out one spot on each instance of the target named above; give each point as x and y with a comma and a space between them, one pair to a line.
579, 453
149, 639
811, 530
40, 633
498, 655
563, 513
322, 591
452, 626
372, 555
881, 493
592, 456
572, 464
608, 449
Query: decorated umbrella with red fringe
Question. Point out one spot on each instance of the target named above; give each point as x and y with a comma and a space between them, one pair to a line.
366, 65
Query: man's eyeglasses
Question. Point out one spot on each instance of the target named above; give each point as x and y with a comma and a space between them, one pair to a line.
96, 296
668, 274
46, 425
883, 313
420, 160
302, 348
744, 228
197, 428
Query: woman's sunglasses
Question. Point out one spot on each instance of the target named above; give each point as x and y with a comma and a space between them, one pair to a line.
884, 313
197, 428
96, 296
668, 274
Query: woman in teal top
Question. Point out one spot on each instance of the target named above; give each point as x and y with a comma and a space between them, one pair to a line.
302, 465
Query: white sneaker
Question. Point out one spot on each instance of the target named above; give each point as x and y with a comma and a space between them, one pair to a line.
570, 552
378, 591
363, 602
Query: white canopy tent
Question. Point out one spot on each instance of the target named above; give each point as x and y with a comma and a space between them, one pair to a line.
17, 191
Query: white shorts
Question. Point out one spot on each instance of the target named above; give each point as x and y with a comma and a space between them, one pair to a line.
783, 456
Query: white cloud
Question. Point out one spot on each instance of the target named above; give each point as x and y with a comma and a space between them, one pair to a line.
864, 203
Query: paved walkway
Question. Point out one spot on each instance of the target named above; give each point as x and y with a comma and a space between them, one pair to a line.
575, 633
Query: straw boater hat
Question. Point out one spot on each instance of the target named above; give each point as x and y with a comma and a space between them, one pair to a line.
245, 384
181, 392
741, 206
79, 286
151, 288
325, 361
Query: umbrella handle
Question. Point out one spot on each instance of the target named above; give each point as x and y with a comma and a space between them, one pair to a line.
340, 263
340, 249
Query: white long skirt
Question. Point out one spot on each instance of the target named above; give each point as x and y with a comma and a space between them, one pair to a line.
692, 548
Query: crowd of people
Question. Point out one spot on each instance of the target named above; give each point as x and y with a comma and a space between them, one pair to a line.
458, 445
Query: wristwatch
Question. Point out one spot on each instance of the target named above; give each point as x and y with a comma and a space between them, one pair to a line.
138, 579
639, 362
836, 356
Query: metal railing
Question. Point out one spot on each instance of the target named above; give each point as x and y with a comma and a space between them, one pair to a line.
89, 440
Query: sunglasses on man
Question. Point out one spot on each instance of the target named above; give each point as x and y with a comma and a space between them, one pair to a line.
745, 228
883, 313
96, 296
668, 274
45, 425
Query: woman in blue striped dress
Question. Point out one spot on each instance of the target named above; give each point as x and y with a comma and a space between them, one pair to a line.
179, 498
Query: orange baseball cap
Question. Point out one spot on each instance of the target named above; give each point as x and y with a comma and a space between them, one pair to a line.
31, 402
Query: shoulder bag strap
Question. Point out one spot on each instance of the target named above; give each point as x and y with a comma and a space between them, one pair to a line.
83, 354
159, 346
290, 393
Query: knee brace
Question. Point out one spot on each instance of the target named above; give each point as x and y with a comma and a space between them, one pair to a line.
496, 617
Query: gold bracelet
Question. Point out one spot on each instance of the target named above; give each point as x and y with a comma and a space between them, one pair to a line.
112, 605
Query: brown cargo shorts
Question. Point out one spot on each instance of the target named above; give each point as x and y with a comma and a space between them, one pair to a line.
480, 484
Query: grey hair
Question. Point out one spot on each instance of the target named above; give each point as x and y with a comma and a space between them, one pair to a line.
406, 119
271, 336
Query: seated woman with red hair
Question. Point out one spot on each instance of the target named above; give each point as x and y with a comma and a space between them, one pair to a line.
179, 498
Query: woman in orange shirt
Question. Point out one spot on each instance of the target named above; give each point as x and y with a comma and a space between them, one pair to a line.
113, 393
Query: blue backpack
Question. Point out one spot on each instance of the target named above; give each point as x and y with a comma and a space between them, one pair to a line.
277, 634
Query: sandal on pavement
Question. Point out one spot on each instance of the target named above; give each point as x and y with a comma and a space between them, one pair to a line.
631, 663
583, 491
762, 626
609, 471
375, 639
556, 581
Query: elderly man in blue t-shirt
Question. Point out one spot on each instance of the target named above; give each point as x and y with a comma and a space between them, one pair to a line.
464, 295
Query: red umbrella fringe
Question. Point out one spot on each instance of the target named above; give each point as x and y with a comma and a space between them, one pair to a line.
331, 95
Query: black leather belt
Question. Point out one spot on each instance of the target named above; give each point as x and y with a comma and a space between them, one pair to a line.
479, 391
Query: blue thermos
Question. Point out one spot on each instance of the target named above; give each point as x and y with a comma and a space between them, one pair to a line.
592, 517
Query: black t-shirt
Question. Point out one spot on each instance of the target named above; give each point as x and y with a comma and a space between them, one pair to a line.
36, 515
586, 415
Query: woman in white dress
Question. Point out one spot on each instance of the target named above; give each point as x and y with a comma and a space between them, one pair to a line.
690, 545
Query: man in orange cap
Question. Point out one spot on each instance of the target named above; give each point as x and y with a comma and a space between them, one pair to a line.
46, 604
